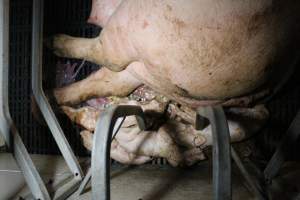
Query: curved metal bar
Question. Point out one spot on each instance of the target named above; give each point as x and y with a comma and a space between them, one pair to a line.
57, 132
102, 144
221, 150
88, 175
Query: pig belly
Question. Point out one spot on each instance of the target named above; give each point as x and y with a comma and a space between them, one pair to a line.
204, 50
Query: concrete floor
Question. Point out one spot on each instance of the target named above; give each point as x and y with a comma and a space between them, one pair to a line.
148, 182
164, 183
12, 182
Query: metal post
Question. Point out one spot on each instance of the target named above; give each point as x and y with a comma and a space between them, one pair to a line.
254, 185
57, 132
102, 144
281, 153
221, 150
7, 127
88, 175
4, 58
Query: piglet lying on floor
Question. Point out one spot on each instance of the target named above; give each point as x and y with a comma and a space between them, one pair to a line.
170, 134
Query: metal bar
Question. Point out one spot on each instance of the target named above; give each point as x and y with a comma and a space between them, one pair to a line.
255, 187
283, 150
118, 125
65, 188
102, 144
4, 60
57, 132
221, 150
7, 127
84, 182
88, 175
31, 175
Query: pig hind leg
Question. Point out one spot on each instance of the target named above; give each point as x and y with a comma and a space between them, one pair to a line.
74, 47
103, 50
99, 84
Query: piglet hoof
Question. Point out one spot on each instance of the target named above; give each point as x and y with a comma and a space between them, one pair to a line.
193, 156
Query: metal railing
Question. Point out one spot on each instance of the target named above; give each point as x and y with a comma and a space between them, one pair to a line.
104, 133
7, 127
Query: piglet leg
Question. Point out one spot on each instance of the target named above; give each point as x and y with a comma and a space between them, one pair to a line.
131, 138
99, 84
148, 143
85, 116
193, 155
184, 134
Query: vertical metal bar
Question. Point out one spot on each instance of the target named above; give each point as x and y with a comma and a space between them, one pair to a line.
255, 187
31, 175
84, 182
221, 150
102, 144
283, 150
57, 132
88, 175
13, 140
4, 58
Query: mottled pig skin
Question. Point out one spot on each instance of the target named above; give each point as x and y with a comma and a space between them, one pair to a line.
176, 140
194, 52
191, 52
102, 11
